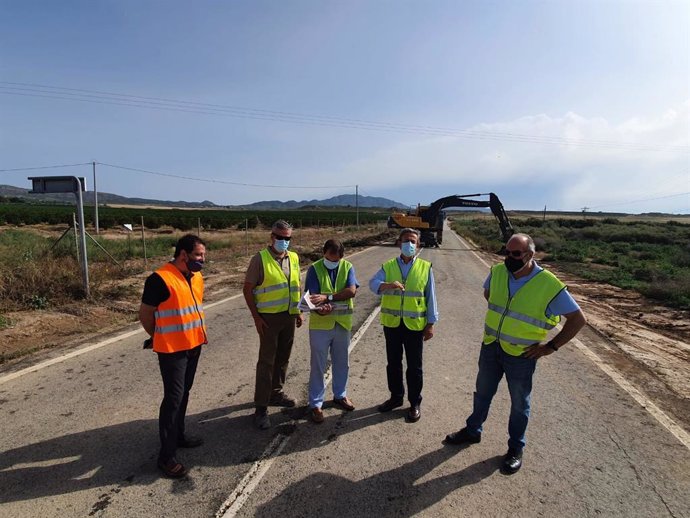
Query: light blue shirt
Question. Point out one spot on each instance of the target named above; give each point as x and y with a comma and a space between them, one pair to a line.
562, 304
429, 291
312, 284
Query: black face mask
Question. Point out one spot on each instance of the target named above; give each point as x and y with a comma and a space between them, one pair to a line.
195, 266
513, 264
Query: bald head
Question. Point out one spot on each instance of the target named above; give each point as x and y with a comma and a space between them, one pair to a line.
521, 242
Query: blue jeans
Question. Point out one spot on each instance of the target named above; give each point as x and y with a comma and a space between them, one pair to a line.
493, 363
321, 341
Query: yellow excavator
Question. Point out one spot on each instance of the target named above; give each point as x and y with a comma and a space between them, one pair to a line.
428, 219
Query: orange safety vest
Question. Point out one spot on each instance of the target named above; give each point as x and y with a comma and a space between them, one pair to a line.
180, 322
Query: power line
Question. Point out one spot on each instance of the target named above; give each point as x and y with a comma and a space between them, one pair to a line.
158, 103
640, 200
172, 175
42, 167
211, 180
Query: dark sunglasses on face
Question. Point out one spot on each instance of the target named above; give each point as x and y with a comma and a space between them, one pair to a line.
280, 237
515, 253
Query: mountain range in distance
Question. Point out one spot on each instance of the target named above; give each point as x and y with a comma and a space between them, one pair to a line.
104, 198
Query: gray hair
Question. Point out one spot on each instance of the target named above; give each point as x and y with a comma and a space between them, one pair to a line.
408, 231
281, 224
530, 242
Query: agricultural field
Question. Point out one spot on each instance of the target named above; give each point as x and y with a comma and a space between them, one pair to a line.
649, 256
41, 290
19, 213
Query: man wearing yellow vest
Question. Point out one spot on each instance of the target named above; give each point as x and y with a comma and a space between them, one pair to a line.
332, 285
525, 302
172, 313
408, 314
272, 292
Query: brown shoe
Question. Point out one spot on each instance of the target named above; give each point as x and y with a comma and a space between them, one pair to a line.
344, 403
317, 415
172, 468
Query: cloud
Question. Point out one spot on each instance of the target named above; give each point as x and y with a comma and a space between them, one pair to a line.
585, 161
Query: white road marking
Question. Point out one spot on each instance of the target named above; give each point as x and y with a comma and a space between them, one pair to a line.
252, 478
658, 414
59, 359
248, 484
655, 411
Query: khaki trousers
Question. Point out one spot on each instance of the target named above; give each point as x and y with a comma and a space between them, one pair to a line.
275, 346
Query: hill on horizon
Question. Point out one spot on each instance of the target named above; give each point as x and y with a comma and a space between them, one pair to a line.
104, 198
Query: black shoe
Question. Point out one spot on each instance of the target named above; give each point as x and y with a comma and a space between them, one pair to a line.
413, 414
463, 436
512, 462
282, 399
190, 441
390, 404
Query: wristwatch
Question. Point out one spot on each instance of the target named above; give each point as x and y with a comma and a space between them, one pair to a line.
552, 345
330, 297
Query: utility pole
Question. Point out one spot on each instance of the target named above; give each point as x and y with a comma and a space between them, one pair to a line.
544, 218
357, 204
95, 199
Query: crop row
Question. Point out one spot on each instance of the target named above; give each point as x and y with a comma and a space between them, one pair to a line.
181, 219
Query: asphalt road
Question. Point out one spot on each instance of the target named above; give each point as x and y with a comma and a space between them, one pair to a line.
79, 437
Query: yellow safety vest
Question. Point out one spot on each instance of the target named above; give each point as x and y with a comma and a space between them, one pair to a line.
410, 305
520, 321
342, 309
180, 319
276, 294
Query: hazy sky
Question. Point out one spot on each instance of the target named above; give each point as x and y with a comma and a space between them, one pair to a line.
563, 103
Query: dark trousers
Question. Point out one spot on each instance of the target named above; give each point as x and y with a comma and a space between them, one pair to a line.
275, 347
412, 342
177, 370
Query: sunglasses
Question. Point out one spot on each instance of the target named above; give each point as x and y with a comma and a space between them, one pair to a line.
515, 253
284, 238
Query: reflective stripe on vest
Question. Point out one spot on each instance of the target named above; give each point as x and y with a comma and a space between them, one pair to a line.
180, 319
520, 321
410, 305
342, 310
276, 293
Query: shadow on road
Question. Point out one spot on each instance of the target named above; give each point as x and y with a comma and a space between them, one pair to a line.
124, 454
389, 493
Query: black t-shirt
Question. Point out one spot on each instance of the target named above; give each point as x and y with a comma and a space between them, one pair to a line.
156, 291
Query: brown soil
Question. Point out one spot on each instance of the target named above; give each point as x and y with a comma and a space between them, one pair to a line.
78, 322
648, 343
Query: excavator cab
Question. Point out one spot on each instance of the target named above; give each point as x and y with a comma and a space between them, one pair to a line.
429, 219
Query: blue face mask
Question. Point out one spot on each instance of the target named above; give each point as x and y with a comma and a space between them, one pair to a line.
195, 266
331, 265
408, 249
281, 245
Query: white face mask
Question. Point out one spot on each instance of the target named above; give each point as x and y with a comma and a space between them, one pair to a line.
331, 265
281, 245
408, 249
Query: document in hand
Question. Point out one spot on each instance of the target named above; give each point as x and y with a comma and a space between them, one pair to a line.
305, 304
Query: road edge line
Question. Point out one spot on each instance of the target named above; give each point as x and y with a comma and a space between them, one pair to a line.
73, 354
641, 399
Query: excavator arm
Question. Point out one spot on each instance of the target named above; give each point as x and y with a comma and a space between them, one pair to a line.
429, 220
